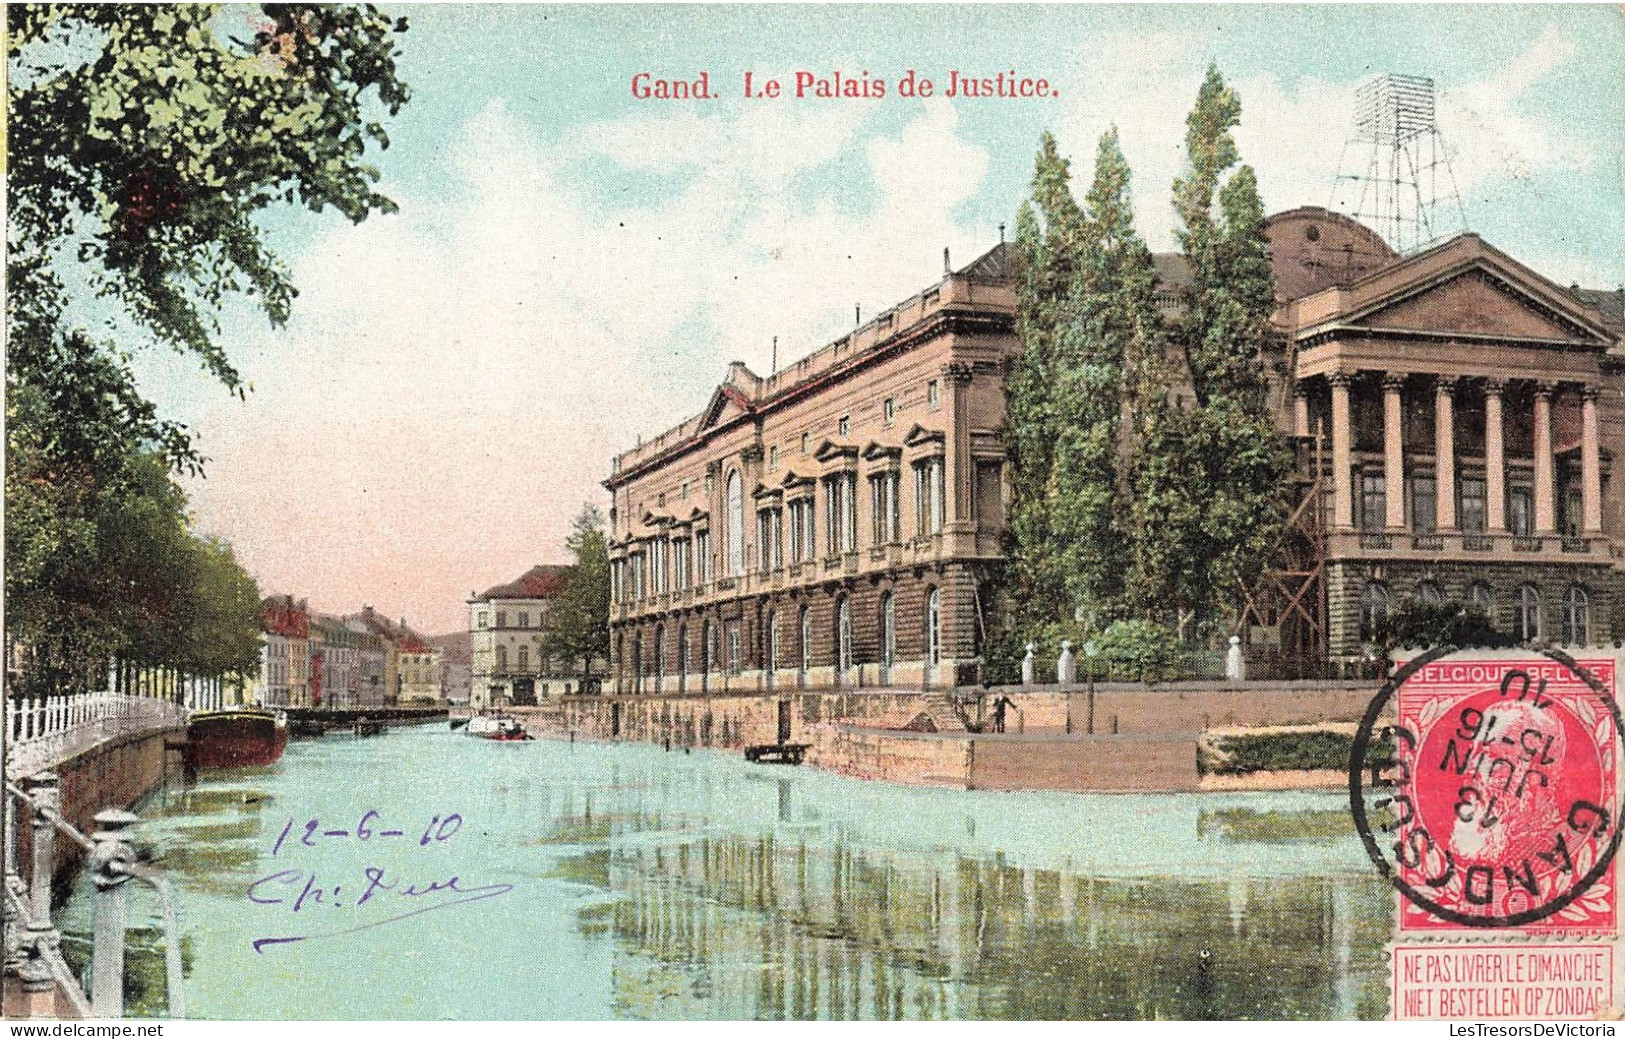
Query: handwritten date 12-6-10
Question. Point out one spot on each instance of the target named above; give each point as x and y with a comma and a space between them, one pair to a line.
370, 826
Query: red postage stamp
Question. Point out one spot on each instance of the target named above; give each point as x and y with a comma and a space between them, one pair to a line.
1499, 808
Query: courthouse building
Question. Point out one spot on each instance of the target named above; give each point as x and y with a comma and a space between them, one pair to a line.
838, 523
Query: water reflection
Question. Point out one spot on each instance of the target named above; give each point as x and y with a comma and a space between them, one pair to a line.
664, 886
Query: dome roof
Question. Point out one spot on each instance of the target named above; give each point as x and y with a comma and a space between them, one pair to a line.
1313, 248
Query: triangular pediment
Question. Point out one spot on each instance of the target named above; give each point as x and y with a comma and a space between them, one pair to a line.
1484, 294
920, 435
727, 404
830, 451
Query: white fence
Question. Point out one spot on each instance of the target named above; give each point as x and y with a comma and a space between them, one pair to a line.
41, 731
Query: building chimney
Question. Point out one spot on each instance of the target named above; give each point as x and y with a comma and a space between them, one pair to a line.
947, 268
857, 314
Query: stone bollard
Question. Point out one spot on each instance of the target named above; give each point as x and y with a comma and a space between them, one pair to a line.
111, 851
1066, 668
1028, 666
1235, 664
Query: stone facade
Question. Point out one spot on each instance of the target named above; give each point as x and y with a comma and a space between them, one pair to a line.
1458, 417
834, 524
508, 664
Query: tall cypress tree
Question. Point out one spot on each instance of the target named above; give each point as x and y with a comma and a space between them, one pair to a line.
1113, 336
1209, 489
1048, 235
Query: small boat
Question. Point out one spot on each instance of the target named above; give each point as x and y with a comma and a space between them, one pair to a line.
365, 726
235, 738
458, 723
494, 728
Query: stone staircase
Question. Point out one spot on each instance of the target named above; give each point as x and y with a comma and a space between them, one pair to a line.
939, 706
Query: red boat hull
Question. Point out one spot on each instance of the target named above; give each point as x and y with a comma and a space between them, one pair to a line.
235, 739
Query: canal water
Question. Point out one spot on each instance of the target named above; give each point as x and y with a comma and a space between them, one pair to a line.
424, 874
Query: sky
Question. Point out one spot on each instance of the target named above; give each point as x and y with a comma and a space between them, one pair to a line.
573, 268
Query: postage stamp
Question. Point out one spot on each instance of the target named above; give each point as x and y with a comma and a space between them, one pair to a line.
1500, 806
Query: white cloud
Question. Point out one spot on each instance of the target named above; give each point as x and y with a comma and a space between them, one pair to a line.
456, 378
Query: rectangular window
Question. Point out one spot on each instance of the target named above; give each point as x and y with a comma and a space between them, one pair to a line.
480, 619
843, 428
933, 394
778, 539
1473, 510
888, 410
1424, 503
764, 540
502, 618
524, 619
928, 496
1520, 511
883, 507
735, 660
773, 457
702, 557
806, 443
685, 490
1373, 501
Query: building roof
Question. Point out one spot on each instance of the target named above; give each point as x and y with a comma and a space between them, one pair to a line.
456, 647
543, 581
406, 640
1611, 302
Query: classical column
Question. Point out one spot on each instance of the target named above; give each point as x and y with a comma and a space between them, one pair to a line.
1300, 409
1444, 450
1393, 449
1590, 462
1495, 467
1342, 464
1545, 491
956, 477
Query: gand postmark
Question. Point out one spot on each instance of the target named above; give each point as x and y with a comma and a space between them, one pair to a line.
1485, 786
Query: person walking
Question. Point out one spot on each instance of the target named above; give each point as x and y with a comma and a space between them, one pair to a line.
999, 707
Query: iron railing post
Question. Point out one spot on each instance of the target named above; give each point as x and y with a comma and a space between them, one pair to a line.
110, 853
43, 791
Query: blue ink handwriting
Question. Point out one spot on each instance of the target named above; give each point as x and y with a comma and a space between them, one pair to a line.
276, 889
369, 826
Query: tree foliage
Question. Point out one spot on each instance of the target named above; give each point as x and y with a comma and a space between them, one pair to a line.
579, 620
145, 143
1146, 465
1208, 483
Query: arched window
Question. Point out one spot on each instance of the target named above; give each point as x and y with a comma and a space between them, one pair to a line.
1576, 616
1478, 594
888, 637
502, 658
1527, 620
1428, 594
1373, 610
660, 656
637, 662
843, 637
933, 633
736, 525
806, 642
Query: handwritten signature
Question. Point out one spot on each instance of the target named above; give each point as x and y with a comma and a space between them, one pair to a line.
277, 889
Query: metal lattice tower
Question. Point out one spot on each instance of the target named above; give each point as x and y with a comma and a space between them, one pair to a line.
1394, 175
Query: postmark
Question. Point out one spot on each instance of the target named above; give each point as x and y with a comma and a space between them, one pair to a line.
1485, 787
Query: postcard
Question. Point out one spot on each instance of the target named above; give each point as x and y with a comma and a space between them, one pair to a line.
748, 513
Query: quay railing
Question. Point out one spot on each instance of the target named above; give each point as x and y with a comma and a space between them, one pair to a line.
43, 730
33, 945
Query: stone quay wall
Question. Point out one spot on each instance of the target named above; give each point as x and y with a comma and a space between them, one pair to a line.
1141, 738
115, 773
